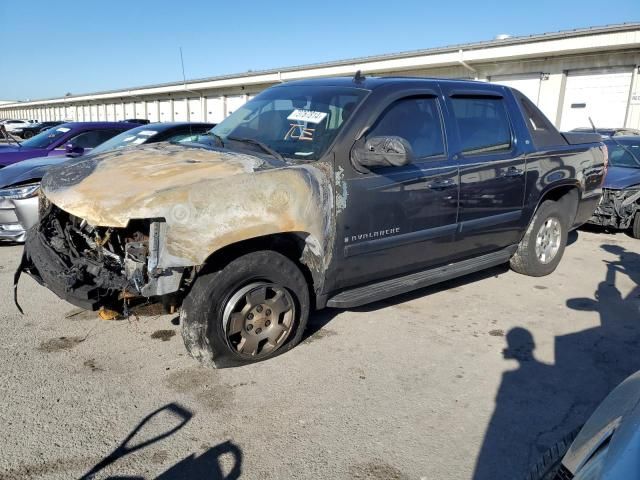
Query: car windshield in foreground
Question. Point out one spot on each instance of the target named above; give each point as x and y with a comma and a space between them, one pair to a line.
129, 138
46, 138
624, 154
294, 121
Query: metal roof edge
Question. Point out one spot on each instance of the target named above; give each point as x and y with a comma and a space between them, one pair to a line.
515, 40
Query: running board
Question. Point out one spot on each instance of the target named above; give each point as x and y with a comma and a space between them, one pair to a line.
388, 288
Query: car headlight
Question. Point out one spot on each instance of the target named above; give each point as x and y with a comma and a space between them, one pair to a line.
20, 192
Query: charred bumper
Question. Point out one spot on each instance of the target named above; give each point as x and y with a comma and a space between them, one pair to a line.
92, 266
617, 208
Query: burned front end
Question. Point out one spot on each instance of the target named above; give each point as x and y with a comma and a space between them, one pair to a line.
617, 208
95, 267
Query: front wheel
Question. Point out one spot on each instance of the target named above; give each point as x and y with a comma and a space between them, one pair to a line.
542, 246
253, 309
27, 134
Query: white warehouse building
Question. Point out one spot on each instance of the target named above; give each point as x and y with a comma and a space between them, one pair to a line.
570, 75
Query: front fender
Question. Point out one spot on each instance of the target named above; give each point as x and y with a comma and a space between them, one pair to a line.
209, 217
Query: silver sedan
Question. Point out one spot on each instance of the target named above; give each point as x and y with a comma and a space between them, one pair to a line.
19, 187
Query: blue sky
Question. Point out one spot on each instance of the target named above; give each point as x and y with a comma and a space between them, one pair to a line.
51, 48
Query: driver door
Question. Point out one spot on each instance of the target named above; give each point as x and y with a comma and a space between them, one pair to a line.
401, 219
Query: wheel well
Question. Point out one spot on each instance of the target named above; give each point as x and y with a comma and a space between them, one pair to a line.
292, 245
568, 196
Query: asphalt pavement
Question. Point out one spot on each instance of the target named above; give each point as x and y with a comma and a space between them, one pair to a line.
474, 378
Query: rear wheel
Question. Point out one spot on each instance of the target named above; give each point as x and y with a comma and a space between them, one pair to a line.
256, 307
542, 246
27, 134
635, 227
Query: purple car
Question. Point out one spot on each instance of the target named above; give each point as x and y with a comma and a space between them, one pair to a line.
71, 139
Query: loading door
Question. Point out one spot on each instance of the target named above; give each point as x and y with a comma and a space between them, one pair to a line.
602, 95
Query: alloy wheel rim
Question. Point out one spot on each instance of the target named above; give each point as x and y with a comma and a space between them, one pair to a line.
548, 240
258, 319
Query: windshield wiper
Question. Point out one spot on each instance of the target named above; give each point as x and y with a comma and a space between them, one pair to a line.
263, 146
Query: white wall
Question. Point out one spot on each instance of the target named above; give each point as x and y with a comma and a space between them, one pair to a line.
553, 74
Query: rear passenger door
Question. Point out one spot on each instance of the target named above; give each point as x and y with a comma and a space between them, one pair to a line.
492, 168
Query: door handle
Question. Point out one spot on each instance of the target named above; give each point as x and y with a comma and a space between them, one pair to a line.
441, 184
511, 172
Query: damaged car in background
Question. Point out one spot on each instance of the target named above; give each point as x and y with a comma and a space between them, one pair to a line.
619, 208
22, 166
330, 192
20, 182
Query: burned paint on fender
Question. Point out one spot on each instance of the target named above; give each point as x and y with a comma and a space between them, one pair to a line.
209, 198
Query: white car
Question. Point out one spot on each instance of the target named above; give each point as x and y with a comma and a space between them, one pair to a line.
11, 125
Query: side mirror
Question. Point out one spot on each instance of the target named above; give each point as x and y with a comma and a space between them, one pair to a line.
387, 151
73, 150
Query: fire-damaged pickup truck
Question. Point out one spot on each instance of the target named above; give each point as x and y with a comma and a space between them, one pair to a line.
331, 192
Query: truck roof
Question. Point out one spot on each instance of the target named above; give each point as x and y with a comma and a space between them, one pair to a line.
371, 83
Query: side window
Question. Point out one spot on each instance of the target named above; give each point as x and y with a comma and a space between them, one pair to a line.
92, 138
415, 119
483, 124
542, 131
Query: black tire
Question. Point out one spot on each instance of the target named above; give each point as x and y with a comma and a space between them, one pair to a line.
27, 134
525, 260
548, 466
635, 226
203, 311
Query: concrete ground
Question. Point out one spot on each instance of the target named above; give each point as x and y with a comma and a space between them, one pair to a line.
471, 379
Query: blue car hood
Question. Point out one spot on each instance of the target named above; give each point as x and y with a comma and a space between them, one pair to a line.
32, 169
617, 420
619, 178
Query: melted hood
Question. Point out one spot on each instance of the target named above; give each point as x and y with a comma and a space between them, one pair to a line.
111, 188
208, 198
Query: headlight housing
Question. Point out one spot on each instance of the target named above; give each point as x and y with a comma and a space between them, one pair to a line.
20, 192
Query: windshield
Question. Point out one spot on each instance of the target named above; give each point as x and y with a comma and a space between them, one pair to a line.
625, 155
46, 138
297, 122
129, 138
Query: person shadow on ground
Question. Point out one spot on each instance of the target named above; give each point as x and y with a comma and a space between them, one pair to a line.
537, 404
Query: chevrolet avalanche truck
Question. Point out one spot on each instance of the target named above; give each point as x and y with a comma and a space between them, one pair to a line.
330, 192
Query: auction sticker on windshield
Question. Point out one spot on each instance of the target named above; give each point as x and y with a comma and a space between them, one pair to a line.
307, 116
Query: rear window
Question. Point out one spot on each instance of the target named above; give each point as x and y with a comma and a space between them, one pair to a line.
542, 131
483, 124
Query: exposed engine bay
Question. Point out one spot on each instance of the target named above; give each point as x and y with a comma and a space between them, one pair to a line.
617, 208
92, 266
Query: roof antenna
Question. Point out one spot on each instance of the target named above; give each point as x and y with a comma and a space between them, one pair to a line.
184, 83
595, 130
359, 78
